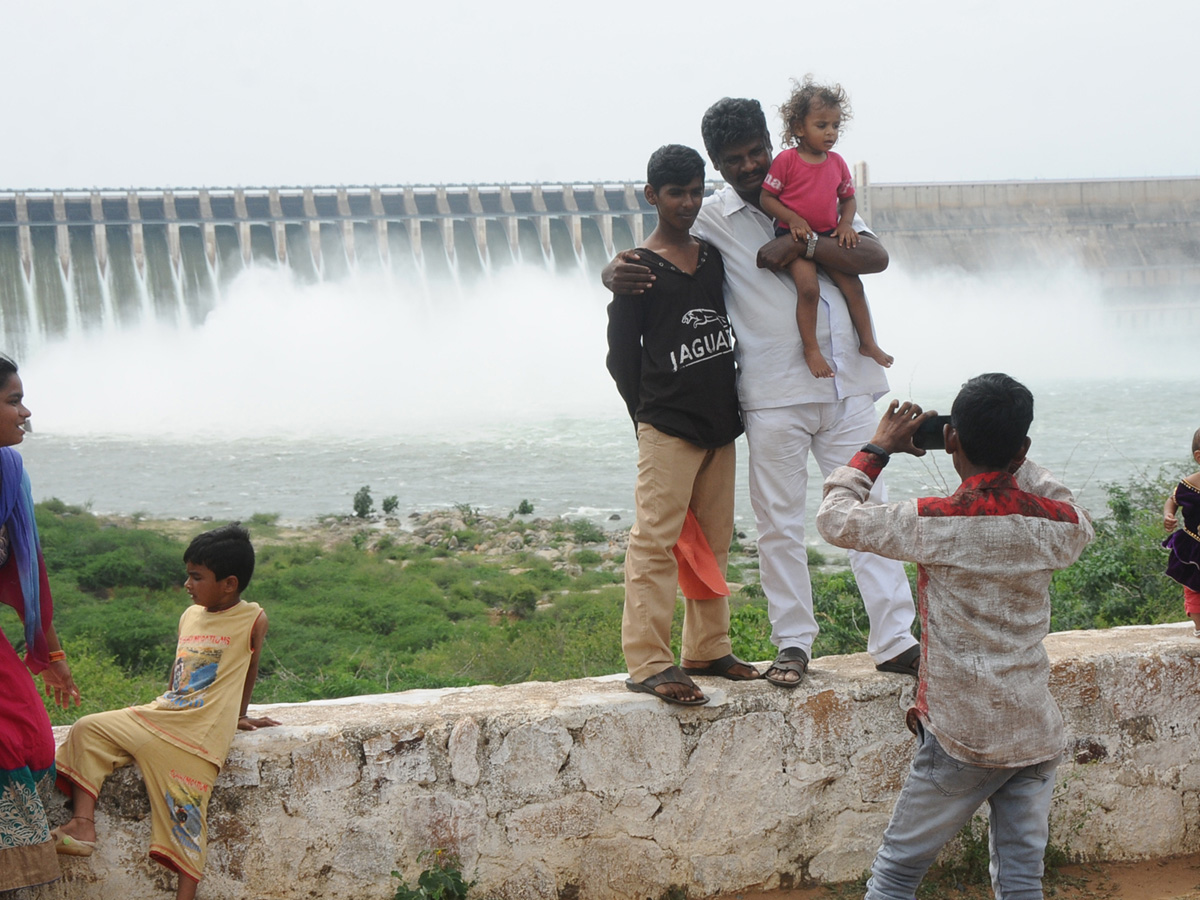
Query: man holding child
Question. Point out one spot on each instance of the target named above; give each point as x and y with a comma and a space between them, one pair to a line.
787, 412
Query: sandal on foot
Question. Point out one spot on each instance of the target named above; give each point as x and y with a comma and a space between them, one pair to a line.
723, 668
907, 663
66, 845
669, 675
789, 659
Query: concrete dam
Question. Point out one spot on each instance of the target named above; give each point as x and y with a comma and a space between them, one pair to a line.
73, 261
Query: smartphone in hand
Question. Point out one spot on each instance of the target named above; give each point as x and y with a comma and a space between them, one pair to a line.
931, 434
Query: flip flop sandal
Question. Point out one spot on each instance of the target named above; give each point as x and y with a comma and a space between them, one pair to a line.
669, 675
722, 668
907, 663
66, 845
789, 659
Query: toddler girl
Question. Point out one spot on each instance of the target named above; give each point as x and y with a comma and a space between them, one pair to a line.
809, 191
1184, 544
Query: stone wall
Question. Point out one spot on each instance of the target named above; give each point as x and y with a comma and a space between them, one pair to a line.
584, 790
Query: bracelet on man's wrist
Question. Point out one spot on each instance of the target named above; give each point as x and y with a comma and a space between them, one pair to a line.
58, 656
811, 248
877, 451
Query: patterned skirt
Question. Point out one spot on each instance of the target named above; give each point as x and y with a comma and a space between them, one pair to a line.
26, 764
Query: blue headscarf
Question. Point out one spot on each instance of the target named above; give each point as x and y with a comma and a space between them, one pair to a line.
16, 512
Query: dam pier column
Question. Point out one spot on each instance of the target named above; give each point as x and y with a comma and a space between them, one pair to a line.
24, 238
99, 233
172, 232
543, 220
604, 220
343, 208
314, 229
243, 225
208, 229
636, 220
478, 222
136, 237
510, 221
413, 224
862, 190
445, 222
62, 238
278, 228
573, 221
381, 227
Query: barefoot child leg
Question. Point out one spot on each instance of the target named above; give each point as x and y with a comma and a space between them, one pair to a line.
851, 287
808, 295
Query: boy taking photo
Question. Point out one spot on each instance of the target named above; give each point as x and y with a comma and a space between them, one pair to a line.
987, 727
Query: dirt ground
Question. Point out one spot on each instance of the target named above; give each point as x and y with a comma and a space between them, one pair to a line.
1164, 879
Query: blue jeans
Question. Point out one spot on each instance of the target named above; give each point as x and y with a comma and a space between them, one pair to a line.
938, 799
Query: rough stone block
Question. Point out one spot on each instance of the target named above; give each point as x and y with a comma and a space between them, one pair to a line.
573, 816
629, 750
464, 751
398, 756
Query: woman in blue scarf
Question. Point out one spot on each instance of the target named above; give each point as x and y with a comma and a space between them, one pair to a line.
27, 854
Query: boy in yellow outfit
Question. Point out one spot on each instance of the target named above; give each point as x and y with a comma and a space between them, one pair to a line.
180, 740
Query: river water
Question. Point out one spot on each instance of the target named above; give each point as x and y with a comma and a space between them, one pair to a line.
291, 396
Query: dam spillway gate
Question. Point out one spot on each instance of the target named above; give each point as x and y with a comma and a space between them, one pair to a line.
75, 260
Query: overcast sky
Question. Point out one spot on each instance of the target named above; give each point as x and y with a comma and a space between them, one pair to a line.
122, 93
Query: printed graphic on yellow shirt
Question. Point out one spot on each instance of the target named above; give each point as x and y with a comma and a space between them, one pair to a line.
187, 821
195, 669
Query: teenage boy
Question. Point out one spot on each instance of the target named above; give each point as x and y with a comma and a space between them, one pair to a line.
180, 740
987, 726
789, 413
671, 355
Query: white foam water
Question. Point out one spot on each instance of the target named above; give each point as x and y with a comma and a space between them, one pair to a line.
289, 396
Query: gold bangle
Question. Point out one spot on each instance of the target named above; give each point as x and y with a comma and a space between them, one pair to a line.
58, 656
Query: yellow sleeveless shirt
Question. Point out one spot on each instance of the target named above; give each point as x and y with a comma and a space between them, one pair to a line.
199, 713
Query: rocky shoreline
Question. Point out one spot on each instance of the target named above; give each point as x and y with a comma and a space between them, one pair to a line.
461, 530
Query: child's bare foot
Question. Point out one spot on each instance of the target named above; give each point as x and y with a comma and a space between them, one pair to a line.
876, 353
817, 363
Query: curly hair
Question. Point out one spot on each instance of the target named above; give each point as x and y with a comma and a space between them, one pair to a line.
804, 97
732, 121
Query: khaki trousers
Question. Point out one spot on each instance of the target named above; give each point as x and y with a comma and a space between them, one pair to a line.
674, 474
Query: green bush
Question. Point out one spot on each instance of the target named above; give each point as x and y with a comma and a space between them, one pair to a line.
441, 880
1119, 579
586, 531
363, 504
750, 632
390, 504
108, 570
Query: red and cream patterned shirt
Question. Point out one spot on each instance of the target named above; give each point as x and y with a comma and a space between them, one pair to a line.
984, 559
